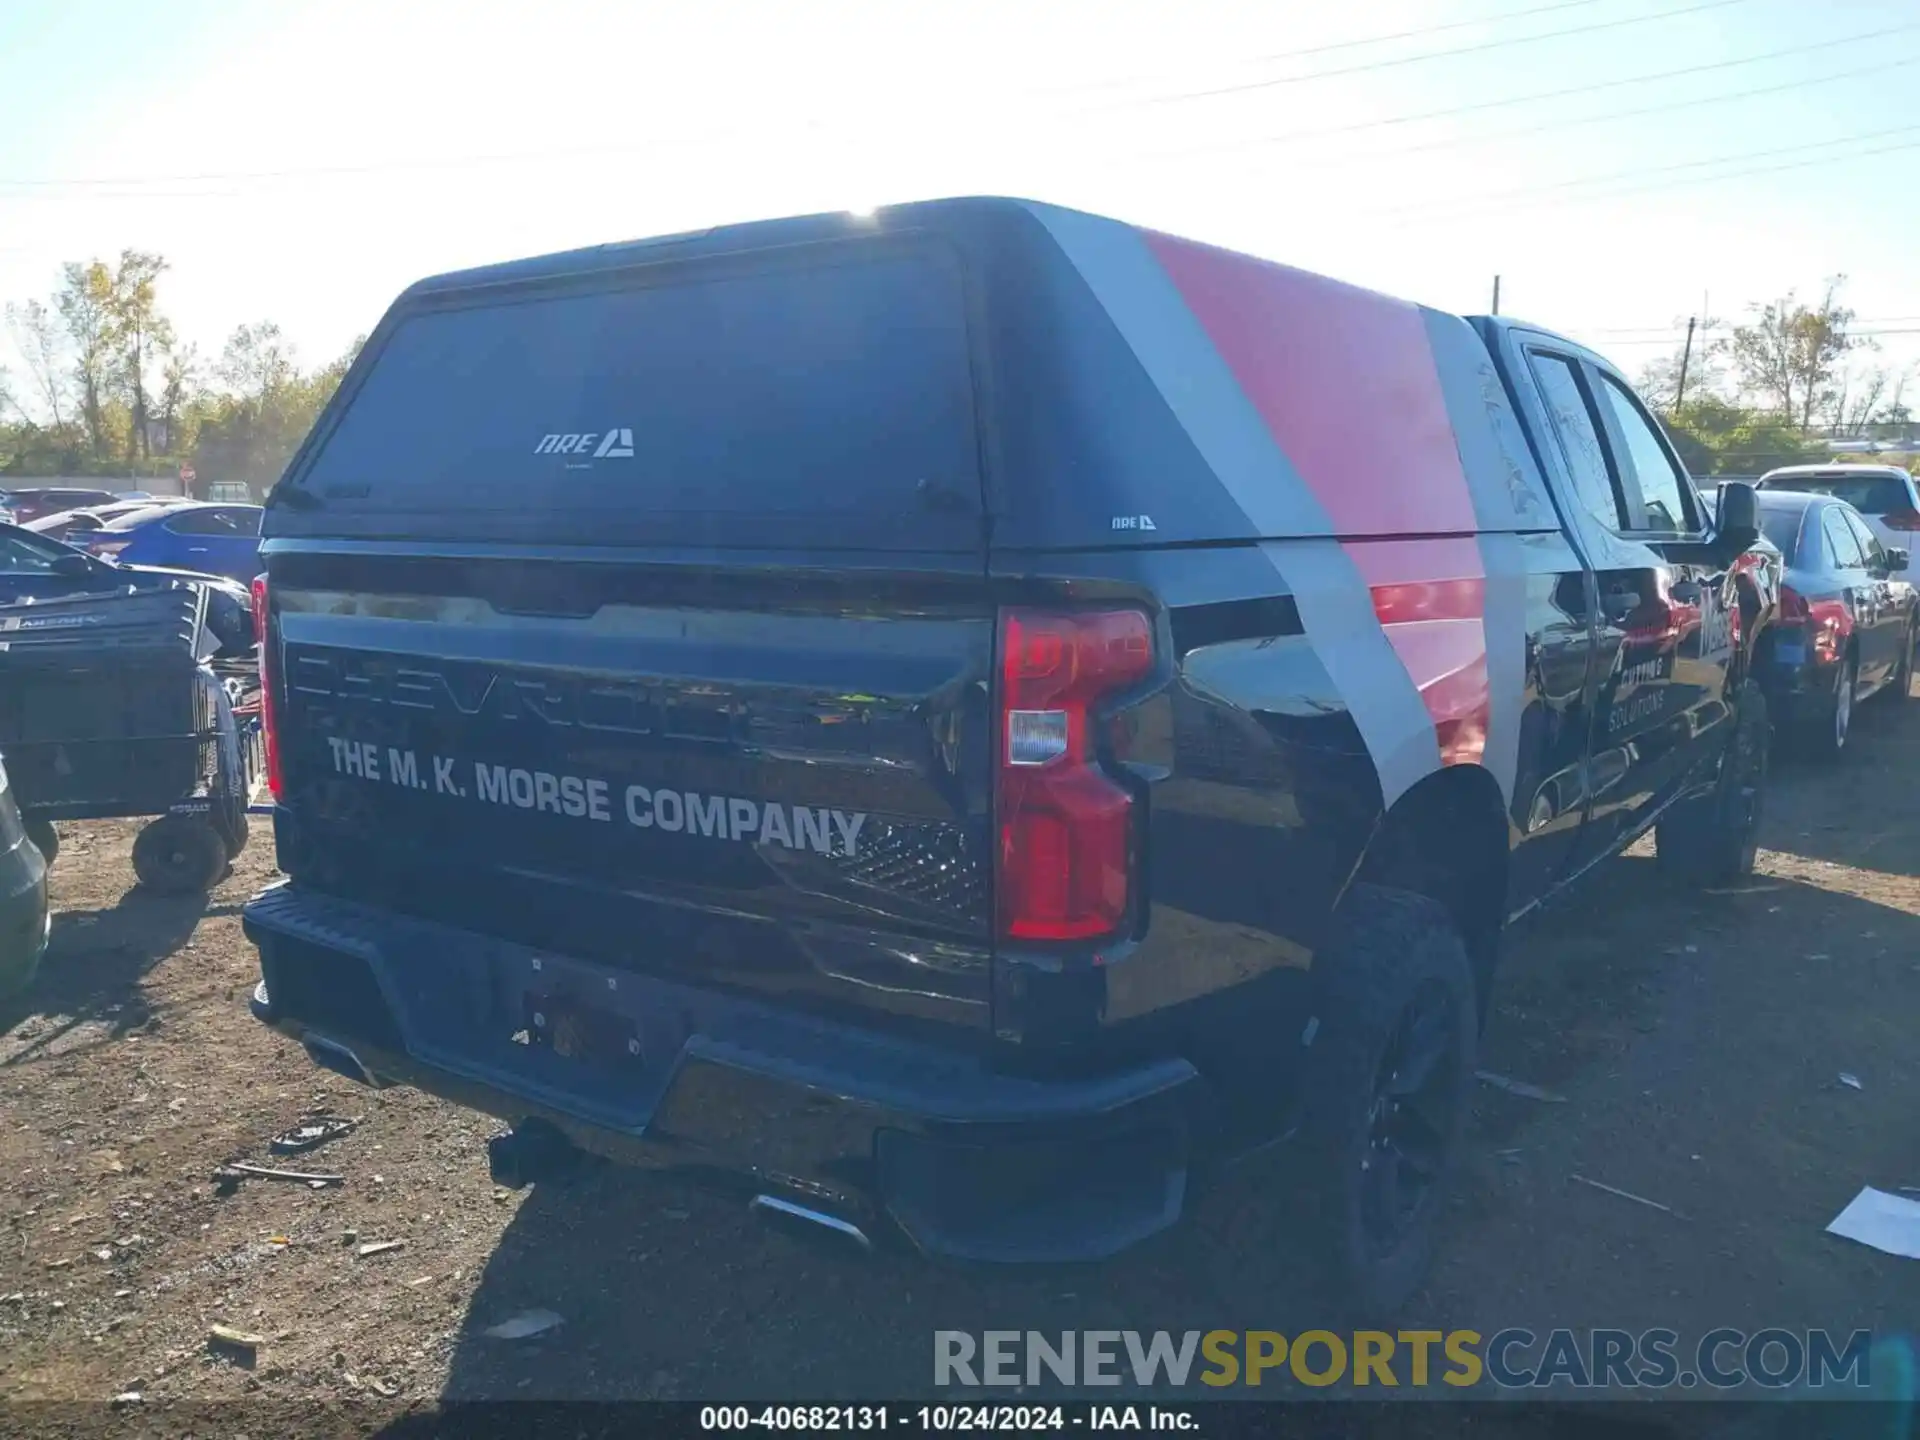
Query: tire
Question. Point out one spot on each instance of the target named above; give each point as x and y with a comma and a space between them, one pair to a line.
1383, 1142
1827, 737
1713, 840
179, 855
235, 840
45, 838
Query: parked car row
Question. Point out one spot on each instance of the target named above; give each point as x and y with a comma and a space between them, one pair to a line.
32, 502
66, 524
1849, 617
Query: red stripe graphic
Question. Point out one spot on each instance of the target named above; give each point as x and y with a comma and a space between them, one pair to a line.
1344, 380
1430, 596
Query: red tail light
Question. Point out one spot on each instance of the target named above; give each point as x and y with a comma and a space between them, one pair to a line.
1901, 519
269, 711
1065, 829
1794, 609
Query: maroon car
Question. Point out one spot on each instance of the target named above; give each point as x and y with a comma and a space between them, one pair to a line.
31, 504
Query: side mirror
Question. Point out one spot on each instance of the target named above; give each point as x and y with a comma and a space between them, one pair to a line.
72, 567
1897, 559
1736, 517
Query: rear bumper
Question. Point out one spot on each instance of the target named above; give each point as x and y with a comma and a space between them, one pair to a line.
1799, 687
903, 1140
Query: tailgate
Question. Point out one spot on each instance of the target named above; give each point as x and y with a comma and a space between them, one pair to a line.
787, 798
644, 618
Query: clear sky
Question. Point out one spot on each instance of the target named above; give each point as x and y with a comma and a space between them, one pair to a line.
1620, 163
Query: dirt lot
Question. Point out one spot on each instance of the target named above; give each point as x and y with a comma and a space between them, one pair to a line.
1697, 1044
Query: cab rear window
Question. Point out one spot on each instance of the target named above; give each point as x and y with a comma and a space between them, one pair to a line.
744, 398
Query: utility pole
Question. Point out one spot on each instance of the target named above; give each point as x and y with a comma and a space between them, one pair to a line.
1496, 295
1686, 354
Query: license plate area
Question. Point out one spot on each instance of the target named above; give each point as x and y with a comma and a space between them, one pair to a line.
574, 1030
579, 1015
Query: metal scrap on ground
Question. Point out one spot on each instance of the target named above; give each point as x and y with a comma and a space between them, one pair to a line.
228, 1177
1518, 1087
312, 1134
1628, 1195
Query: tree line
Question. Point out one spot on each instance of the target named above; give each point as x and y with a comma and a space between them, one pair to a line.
108, 389
1741, 399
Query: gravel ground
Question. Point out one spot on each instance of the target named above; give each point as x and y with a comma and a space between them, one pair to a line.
1696, 1042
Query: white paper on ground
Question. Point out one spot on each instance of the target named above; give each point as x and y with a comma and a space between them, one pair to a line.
1886, 1222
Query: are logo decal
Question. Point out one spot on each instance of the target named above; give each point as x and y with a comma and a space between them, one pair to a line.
615, 444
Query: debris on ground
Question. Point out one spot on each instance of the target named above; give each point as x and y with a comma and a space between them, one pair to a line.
1518, 1087
226, 1337
1888, 1223
228, 1177
523, 1326
1627, 1195
378, 1247
312, 1134
1852, 1082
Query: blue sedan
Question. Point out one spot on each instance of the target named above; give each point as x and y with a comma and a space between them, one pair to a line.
212, 539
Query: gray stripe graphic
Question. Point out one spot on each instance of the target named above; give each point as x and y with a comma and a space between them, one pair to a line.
1505, 625
1502, 479
1197, 383
1335, 605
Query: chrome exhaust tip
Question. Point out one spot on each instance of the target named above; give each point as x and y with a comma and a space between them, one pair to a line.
774, 1209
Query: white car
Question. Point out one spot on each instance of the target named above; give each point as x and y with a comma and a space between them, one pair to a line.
1885, 495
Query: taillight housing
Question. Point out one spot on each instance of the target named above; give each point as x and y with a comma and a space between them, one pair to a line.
1065, 857
1794, 609
269, 711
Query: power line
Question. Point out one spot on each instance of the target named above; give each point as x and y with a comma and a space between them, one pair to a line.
534, 156
1506, 102
1329, 48
1527, 132
547, 154
511, 157
1253, 85
1472, 202
1674, 339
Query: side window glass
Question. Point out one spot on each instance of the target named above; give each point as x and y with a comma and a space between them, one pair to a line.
1659, 479
1579, 438
1870, 547
19, 558
1840, 542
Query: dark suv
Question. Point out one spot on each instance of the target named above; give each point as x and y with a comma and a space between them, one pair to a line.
964, 718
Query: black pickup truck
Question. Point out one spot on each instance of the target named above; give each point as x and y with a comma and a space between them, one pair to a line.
961, 719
